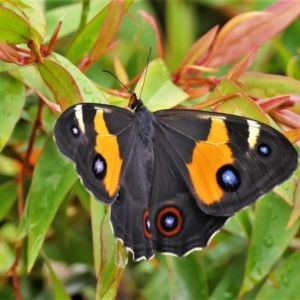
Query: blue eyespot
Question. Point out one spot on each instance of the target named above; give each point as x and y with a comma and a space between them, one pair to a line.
228, 178
264, 150
99, 167
169, 221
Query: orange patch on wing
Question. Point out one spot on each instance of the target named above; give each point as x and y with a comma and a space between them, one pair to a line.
208, 157
107, 146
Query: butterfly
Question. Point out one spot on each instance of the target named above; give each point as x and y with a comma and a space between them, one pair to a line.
172, 177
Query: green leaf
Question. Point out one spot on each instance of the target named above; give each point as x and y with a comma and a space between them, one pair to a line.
52, 178
176, 278
108, 29
261, 85
228, 287
33, 13
88, 89
286, 277
98, 212
182, 284
61, 82
159, 92
157, 287
179, 38
58, 288
109, 259
69, 234
87, 37
13, 28
82, 194
286, 190
8, 192
31, 77
241, 106
222, 248
71, 19
269, 239
240, 224
6, 66
12, 95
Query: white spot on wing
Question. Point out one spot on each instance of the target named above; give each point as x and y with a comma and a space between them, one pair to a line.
254, 131
253, 123
207, 117
79, 117
78, 107
106, 110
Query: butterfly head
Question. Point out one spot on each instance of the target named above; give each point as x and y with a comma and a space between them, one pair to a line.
134, 102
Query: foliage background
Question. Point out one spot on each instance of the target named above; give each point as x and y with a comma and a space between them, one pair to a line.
55, 242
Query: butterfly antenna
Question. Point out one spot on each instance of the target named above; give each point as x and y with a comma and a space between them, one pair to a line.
113, 75
146, 70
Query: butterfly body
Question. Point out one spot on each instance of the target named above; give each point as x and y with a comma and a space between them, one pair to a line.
172, 177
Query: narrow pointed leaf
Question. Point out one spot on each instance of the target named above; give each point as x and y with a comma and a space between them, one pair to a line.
228, 287
243, 32
199, 48
87, 37
71, 21
58, 288
108, 29
295, 214
109, 264
182, 284
176, 278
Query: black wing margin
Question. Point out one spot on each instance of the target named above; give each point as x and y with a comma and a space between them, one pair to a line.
177, 224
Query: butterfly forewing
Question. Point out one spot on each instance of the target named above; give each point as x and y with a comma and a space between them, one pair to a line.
227, 162
98, 138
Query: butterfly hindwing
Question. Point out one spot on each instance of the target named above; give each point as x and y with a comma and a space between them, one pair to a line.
98, 138
178, 226
129, 217
227, 162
